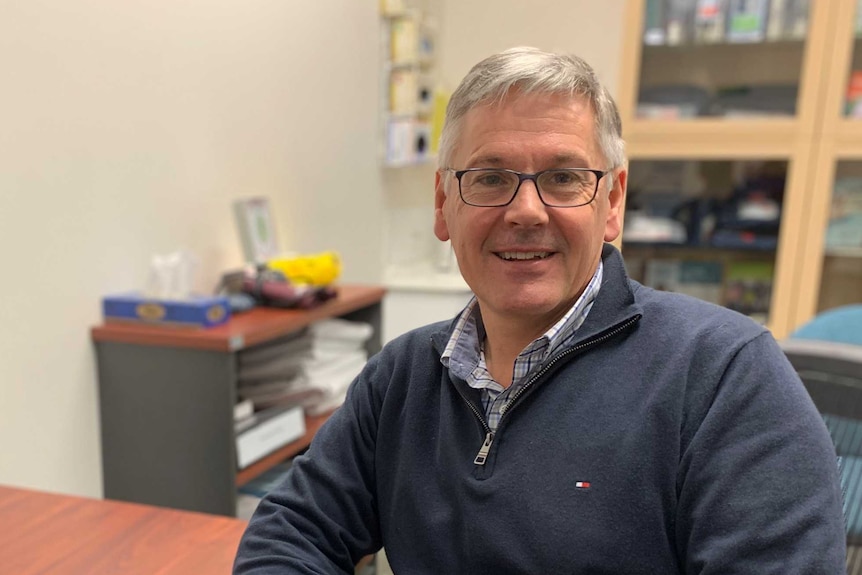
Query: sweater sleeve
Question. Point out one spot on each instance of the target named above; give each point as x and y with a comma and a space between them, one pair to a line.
758, 481
323, 518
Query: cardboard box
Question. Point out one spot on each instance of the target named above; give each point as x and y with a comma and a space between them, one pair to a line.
194, 312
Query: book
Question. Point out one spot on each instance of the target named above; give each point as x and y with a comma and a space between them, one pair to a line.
341, 329
746, 20
679, 22
775, 24
788, 20
399, 141
266, 481
853, 101
798, 14
271, 430
709, 21
845, 217
250, 494
404, 41
698, 278
440, 99
392, 7
701, 279
662, 274
654, 23
748, 288
403, 91
243, 409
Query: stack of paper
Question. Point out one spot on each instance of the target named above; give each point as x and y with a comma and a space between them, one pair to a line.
312, 369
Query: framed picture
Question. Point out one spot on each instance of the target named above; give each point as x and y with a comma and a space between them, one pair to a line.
256, 229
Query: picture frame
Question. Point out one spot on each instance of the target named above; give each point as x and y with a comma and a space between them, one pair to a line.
256, 229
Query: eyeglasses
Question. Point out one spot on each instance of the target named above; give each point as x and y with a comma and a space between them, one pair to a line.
496, 187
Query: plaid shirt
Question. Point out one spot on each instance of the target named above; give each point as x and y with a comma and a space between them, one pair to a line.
464, 355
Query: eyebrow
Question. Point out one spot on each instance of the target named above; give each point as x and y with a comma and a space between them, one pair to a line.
482, 161
570, 161
558, 161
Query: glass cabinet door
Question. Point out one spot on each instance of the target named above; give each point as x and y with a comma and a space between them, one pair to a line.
721, 58
841, 275
709, 229
853, 96
722, 103
831, 253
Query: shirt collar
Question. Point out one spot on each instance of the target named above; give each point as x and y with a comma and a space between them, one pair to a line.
461, 354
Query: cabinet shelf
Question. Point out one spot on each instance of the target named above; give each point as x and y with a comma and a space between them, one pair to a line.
744, 48
312, 424
847, 253
713, 138
848, 138
243, 330
704, 250
716, 67
167, 397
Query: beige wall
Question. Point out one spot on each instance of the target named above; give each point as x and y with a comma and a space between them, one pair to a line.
470, 30
126, 129
473, 29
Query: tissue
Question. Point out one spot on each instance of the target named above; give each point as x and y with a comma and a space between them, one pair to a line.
167, 299
172, 276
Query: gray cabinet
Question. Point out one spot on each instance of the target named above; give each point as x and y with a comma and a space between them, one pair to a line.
166, 400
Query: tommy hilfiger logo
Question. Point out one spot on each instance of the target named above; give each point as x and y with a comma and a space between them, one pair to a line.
582, 484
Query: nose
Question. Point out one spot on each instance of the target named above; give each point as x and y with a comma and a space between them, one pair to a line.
527, 209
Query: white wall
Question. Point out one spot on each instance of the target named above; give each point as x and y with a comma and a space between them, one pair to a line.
126, 129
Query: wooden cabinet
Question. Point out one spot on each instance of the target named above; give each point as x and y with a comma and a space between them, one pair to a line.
830, 253
166, 399
406, 309
745, 117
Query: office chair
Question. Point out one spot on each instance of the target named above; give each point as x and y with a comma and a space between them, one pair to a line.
832, 374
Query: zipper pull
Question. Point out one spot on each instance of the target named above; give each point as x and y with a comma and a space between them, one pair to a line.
483, 451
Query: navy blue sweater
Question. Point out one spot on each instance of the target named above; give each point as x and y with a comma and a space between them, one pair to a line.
674, 437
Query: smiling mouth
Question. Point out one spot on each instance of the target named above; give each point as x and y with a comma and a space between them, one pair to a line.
521, 256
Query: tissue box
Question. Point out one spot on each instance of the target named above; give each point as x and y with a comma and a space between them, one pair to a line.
195, 311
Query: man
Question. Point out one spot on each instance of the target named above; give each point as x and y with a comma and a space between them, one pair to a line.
569, 420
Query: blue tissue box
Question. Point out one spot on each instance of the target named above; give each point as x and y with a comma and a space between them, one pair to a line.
196, 311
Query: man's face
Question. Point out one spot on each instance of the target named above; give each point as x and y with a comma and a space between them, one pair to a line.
528, 133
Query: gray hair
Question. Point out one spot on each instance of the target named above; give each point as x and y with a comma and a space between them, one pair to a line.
532, 70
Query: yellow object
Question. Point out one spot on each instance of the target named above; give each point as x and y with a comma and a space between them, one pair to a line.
311, 269
438, 115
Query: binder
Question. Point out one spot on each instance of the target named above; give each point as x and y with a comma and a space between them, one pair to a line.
403, 92
746, 20
274, 428
404, 41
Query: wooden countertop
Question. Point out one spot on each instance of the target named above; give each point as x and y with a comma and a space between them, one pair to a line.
244, 329
70, 535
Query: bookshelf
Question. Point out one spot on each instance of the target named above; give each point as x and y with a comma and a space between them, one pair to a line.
166, 399
831, 273
723, 110
410, 104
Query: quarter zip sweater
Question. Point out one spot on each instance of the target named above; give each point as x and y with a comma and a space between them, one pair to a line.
672, 436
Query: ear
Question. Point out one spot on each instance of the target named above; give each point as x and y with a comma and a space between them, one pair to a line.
441, 230
616, 205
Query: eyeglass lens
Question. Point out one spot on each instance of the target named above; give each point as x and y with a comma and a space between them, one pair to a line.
563, 188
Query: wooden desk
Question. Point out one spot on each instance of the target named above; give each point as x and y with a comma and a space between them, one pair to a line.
68, 535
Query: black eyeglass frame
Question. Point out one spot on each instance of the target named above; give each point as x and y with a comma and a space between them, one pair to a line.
522, 176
